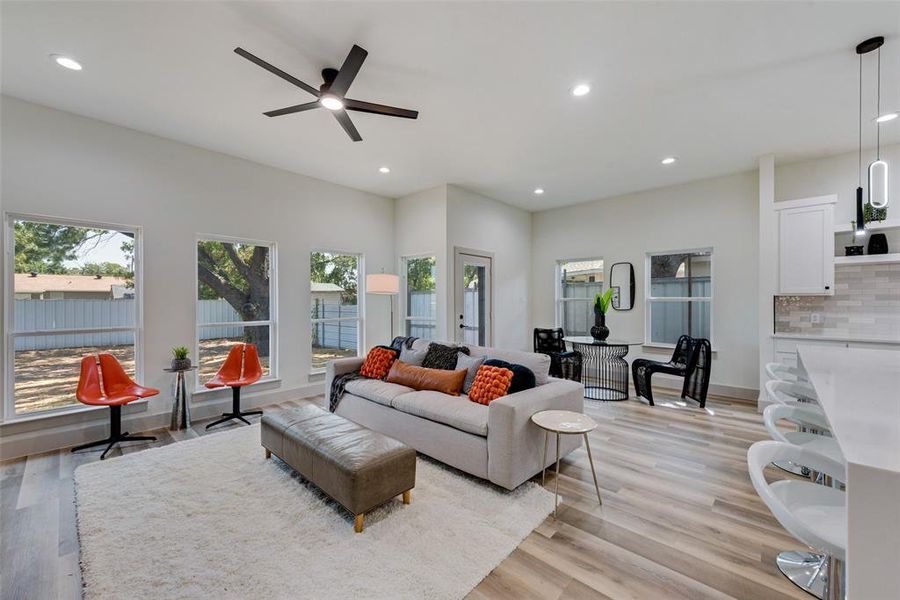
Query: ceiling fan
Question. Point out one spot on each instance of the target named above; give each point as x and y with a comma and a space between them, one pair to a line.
332, 93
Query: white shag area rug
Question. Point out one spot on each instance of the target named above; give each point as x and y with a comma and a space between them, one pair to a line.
212, 518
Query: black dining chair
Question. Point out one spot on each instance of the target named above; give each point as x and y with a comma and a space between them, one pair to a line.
564, 364
681, 365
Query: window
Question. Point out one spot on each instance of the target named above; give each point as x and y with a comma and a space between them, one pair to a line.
235, 302
679, 296
420, 296
334, 306
578, 281
75, 291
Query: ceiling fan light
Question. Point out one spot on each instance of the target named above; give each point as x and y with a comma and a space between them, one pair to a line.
331, 102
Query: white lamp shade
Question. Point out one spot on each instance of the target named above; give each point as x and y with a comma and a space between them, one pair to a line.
383, 283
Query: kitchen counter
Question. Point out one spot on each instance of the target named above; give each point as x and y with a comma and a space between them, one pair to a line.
837, 338
859, 390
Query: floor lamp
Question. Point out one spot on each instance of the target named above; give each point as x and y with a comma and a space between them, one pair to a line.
384, 284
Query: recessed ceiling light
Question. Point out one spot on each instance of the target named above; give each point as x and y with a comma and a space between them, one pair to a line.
538, 191
668, 160
65, 61
581, 89
384, 169
886, 117
331, 102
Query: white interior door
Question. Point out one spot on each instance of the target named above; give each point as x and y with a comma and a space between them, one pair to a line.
473, 291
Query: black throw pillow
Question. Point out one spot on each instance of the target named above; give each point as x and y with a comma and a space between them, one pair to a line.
523, 377
443, 357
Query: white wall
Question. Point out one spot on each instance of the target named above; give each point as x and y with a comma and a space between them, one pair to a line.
480, 223
838, 175
721, 213
59, 164
420, 221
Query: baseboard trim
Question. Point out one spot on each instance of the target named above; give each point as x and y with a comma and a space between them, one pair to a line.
26, 438
669, 383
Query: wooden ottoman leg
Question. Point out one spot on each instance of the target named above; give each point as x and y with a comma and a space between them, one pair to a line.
407, 496
268, 453
359, 523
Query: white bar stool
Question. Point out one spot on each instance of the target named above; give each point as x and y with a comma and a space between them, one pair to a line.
804, 569
814, 514
791, 393
783, 372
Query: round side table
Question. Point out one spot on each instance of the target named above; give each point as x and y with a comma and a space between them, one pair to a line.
565, 422
604, 370
181, 407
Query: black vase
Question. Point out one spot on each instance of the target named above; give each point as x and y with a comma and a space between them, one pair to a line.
599, 331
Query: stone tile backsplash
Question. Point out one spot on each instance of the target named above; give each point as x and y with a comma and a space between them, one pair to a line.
866, 303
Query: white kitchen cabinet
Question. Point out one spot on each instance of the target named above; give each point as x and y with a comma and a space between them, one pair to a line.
806, 246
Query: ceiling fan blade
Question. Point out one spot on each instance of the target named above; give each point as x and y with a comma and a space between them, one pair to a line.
380, 109
344, 119
276, 71
348, 71
293, 109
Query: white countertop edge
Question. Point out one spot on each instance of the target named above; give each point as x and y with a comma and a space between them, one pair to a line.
834, 338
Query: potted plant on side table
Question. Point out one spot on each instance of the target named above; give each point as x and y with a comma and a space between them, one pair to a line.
180, 360
601, 304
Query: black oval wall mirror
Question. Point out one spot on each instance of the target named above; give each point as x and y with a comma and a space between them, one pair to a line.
621, 281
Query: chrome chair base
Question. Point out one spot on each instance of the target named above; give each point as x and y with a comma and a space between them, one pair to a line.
792, 468
806, 570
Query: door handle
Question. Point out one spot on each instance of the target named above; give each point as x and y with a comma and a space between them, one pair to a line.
461, 326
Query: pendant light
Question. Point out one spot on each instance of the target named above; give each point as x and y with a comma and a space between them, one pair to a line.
878, 169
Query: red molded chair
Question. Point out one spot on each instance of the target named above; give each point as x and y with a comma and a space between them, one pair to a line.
117, 389
240, 368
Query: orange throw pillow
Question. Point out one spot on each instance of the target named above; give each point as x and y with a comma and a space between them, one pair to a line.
490, 383
422, 378
378, 362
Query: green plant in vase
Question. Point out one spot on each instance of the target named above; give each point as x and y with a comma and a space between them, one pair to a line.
601, 305
180, 360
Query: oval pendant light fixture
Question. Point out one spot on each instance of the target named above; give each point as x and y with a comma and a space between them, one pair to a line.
878, 169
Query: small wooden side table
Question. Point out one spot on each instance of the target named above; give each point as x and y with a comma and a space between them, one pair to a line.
565, 422
181, 407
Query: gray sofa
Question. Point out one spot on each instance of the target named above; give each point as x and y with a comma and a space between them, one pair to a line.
496, 442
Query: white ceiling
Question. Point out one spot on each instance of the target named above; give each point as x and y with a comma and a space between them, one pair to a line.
715, 84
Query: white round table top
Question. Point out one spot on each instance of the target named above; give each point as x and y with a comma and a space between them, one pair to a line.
563, 421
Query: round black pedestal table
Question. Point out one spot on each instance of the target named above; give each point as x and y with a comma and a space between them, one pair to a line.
604, 368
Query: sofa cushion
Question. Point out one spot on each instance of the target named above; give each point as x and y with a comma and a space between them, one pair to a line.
376, 390
456, 411
464, 361
378, 362
523, 377
538, 363
440, 356
413, 356
490, 383
421, 378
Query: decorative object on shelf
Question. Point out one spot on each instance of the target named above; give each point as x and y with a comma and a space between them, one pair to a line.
621, 280
878, 169
878, 244
180, 360
384, 284
872, 214
853, 250
601, 305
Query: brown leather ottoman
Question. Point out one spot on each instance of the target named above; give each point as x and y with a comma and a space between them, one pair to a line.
357, 467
